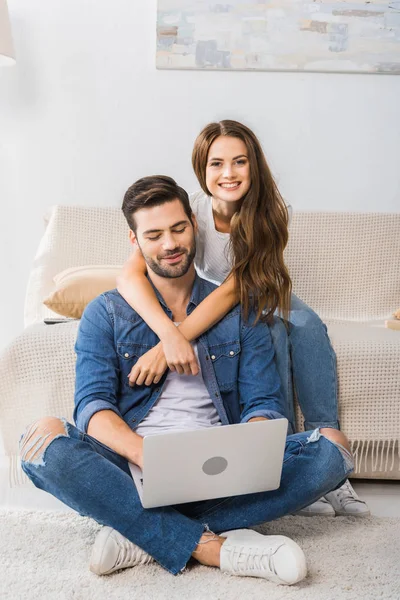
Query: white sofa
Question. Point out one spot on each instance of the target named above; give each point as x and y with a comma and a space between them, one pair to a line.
344, 265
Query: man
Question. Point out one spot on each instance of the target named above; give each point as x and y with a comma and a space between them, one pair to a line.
87, 466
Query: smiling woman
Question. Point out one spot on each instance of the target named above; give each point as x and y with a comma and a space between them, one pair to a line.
233, 173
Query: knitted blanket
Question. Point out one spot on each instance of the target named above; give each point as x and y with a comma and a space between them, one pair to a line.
345, 266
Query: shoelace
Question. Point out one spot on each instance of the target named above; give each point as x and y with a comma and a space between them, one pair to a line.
346, 494
323, 500
130, 553
253, 560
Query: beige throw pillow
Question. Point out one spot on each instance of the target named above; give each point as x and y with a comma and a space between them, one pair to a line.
77, 286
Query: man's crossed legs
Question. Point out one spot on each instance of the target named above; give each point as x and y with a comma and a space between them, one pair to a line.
96, 482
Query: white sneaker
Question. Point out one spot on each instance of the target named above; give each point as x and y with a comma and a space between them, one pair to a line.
112, 551
320, 508
277, 558
345, 502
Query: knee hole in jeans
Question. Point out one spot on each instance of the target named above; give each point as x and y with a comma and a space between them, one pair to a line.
39, 436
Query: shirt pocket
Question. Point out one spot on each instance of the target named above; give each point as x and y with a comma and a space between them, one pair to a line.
225, 359
128, 355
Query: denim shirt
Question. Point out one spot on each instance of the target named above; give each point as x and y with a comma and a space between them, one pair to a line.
236, 359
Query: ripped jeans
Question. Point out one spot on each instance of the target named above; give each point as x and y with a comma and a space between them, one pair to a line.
96, 482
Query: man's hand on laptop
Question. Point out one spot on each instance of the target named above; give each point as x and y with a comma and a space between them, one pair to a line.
257, 419
175, 352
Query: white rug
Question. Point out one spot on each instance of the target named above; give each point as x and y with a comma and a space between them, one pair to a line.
45, 556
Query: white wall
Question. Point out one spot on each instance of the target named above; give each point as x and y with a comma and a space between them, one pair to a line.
84, 113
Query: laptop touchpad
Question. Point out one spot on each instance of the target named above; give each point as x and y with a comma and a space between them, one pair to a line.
215, 465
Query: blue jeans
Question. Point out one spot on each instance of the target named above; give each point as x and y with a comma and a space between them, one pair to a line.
96, 482
304, 357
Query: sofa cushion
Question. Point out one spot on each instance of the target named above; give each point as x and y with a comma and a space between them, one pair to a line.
77, 286
346, 265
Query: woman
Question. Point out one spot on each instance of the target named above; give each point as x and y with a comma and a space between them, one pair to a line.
243, 231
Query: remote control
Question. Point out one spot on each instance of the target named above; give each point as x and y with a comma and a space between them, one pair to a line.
55, 320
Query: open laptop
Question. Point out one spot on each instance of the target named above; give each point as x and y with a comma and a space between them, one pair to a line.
215, 462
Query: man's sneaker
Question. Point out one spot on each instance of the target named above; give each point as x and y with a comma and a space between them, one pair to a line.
320, 508
112, 551
277, 558
345, 502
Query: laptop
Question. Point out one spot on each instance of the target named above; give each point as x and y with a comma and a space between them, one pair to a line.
215, 462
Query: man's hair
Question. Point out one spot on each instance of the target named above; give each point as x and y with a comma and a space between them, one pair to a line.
153, 191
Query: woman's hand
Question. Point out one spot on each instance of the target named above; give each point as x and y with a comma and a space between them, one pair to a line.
175, 353
179, 354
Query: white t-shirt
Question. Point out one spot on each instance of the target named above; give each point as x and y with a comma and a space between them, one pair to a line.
213, 259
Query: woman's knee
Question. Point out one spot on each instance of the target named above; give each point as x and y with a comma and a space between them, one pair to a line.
38, 436
301, 315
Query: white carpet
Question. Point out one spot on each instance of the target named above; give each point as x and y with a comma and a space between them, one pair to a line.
45, 556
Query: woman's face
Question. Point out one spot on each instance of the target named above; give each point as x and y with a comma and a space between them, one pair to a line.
228, 169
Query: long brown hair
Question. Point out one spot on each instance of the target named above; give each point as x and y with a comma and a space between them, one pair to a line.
259, 230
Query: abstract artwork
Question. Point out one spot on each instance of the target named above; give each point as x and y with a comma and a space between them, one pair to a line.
356, 36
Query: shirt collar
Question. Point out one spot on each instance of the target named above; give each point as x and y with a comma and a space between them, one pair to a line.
197, 295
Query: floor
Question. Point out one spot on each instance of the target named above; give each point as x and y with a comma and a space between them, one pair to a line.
383, 497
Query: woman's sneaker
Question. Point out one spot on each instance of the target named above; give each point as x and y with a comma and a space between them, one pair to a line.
246, 553
320, 508
345, 502
342, 502
112, 551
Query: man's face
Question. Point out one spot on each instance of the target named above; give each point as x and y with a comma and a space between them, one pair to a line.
166, 238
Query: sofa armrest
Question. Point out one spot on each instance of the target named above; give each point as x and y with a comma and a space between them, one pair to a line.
37, 377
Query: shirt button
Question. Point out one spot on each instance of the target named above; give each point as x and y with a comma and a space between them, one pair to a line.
216, 394
231, 353
126, 355
212, 357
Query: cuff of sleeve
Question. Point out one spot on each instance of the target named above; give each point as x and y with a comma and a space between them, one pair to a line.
91, 409
268, 414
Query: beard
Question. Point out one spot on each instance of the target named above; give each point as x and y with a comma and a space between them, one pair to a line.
162, 269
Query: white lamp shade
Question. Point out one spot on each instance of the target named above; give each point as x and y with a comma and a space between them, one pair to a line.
7, 53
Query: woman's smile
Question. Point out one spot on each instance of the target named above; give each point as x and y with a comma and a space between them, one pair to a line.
230, 186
